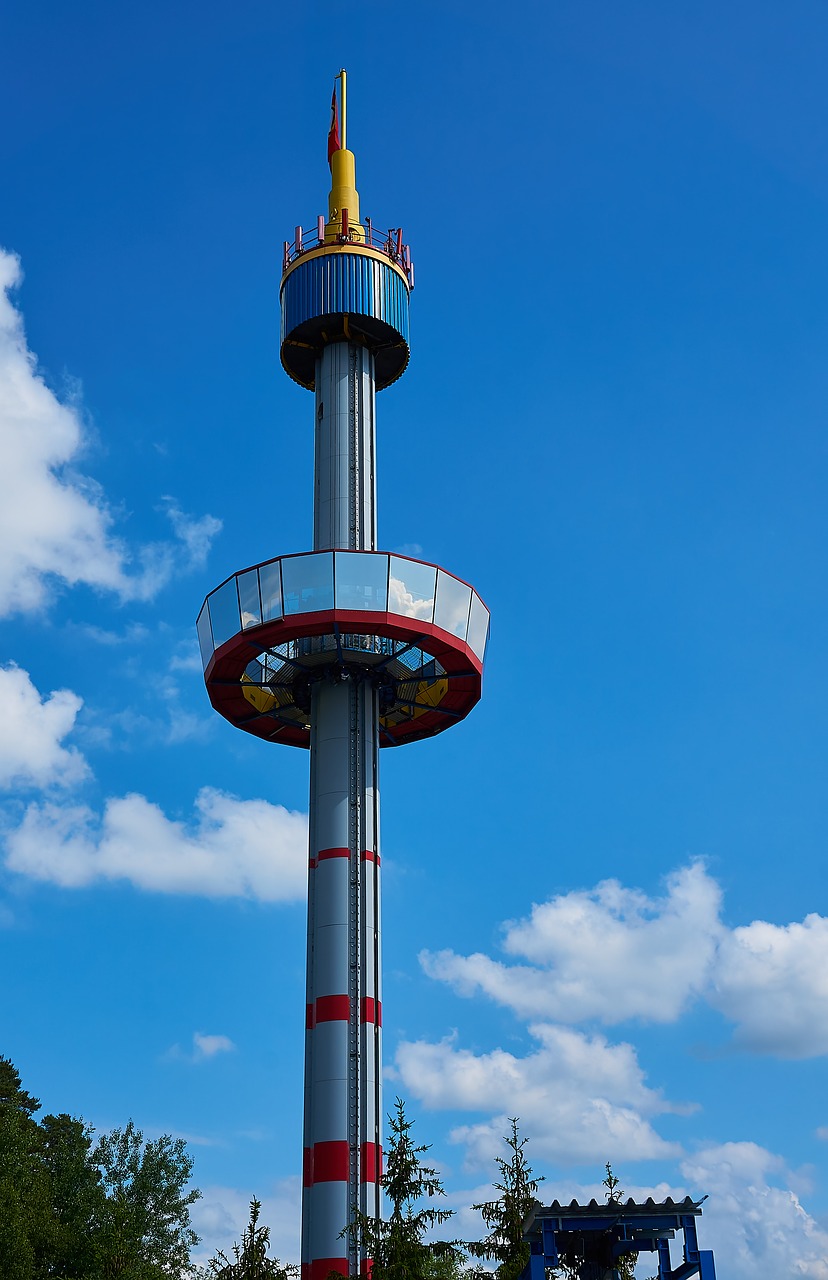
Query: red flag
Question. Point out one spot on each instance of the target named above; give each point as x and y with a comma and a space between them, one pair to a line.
333, 133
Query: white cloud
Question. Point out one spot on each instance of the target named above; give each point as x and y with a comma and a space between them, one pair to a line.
55, 524
753, 1220
32, 730
611, 954
204, 1048
579, 1096
222, 1213
232, 848
772, 981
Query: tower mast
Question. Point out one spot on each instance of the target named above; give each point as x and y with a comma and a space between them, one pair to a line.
344, 650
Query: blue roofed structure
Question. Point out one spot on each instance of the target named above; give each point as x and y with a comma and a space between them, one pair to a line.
592, 1239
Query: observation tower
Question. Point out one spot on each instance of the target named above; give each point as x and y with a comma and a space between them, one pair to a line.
343, 650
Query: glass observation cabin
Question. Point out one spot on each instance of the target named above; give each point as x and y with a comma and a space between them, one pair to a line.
415, 631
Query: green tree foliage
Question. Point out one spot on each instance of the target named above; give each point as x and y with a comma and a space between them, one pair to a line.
397, 1244
250, 1260
146, 1226
25, 1218
68, 1211
504, 1217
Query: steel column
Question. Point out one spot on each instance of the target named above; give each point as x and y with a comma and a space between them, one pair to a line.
343, 1070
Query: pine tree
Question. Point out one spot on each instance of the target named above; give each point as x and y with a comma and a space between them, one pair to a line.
250, 1257
504, 1217
397, 1244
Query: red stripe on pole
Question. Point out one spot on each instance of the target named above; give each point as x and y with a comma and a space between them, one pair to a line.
332, 853
371, 1010
332, 1009
312, 864
368, 855
320, 1267
309, 1017
370, 1162
307, 1167
366, 1267
330, 1162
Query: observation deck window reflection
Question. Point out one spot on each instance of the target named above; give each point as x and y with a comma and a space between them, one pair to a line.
361, 581
411, 587
451, 610
270, 583
308, 583
224, 612
205, 635
251, 610
478, 626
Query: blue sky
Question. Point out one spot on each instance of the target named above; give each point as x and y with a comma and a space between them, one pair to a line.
605, 903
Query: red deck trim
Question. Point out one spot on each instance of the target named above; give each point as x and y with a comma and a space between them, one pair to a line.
224, 670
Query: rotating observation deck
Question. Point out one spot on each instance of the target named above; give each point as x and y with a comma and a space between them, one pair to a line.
412, 631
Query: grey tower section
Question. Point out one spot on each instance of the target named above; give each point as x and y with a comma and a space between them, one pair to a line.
343, 1045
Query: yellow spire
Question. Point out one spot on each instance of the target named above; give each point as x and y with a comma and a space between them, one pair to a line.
344, 194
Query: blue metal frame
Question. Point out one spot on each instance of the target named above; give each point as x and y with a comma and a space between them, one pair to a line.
641, 1229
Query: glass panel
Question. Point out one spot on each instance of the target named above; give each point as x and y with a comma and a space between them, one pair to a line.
308, 583
478, 626
361, 581
271, 585
411, 589
205, 635
451, 611
251, 614
224, 612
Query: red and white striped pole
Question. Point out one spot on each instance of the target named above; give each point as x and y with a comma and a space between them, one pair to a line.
343, 1062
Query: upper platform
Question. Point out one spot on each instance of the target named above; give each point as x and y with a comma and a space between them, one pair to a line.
344, 281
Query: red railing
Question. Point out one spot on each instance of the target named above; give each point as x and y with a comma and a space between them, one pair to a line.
389, 242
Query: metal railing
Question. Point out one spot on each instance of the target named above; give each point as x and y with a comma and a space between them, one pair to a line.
388, 242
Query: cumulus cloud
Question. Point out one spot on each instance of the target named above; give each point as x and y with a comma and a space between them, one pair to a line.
754, 1220
772, 981
32, 730
611, 954
579, 1096
608, 953
55, 524
231, 848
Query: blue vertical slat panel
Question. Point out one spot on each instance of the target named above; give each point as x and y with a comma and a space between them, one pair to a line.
344, 284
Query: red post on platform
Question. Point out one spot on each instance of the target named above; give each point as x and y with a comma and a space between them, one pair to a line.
344, 223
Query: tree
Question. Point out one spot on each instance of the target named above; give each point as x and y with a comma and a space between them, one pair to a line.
250, 1257
504, 1217
76, 1197
68, 1212
145, 1233
397, 1244
25, 1215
